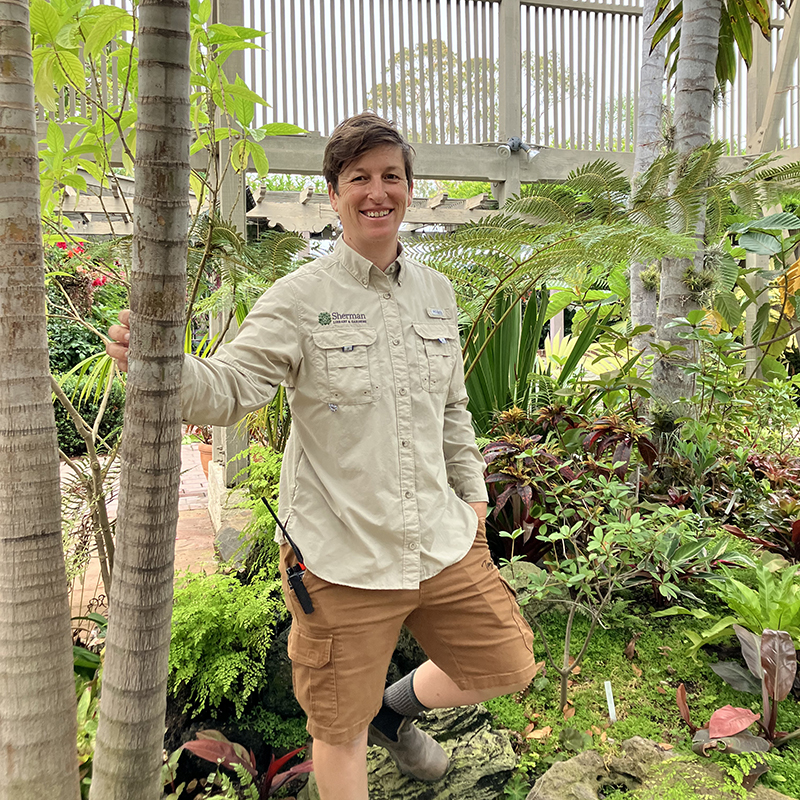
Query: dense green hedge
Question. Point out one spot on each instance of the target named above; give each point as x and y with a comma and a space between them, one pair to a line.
110, 428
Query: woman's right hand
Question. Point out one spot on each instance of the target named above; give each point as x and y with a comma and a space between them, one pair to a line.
121, 336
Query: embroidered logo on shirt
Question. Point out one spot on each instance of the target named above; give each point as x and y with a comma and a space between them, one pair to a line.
338, 318
437, 313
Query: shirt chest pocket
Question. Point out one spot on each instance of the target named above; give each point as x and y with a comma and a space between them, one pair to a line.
349, 365
436, 350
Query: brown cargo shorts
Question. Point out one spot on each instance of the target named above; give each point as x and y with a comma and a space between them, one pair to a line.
466, 619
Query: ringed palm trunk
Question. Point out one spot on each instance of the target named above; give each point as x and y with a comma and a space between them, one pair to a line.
696, 78
649, 141
130, 735
38, 755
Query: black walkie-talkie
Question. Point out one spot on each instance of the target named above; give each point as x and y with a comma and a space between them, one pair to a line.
295, 574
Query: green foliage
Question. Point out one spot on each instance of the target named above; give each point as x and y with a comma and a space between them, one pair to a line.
88, 692
221, 632
508, 712
279, 733
110, 427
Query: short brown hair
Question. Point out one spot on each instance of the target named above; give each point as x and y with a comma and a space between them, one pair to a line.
358, 135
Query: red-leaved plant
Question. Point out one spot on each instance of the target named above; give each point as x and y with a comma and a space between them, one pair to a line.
213, 746
772, 662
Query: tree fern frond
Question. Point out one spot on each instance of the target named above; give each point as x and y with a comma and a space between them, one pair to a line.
546, 202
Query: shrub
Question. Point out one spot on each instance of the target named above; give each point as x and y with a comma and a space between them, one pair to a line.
110, 428
221, 632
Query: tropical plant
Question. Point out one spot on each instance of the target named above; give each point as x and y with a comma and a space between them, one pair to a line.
735, 32
774, 604
130, 735
212, 746
589, 565
38, 686
221, 632
772, 663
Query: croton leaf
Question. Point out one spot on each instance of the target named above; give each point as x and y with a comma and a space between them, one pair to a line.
729, 720
648, 451
779, 661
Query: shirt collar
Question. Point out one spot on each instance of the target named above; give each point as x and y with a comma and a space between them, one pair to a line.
360, 267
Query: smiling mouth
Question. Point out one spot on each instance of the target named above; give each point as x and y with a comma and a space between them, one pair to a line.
376, 214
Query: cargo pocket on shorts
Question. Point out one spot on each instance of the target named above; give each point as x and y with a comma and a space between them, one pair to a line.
522, 625
313, 675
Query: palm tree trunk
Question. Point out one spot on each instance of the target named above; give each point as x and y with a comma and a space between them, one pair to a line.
649, 141
696, 78
133, 704
37, 691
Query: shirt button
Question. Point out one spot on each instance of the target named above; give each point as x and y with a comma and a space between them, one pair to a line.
412, 545
404, 443
387, 296
395, 342
403, 392
408, 494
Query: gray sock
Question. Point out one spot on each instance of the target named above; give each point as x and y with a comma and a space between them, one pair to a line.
400, 697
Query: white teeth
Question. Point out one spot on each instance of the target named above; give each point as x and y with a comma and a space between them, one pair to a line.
377, 213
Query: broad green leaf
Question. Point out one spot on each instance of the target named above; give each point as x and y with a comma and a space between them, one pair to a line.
764, 244
239, 89
669, 23
198, 189
200, 143
760, 325
782, 221
773, 370
672, 611
727, 305
75, 181
72, 69
106, 28
220, 134
69, 37
239, 155
759, 13
55, 138
726, 53
260, 160
740, 26
44, 83
45, 22
737, 677
728, 272
204, 11
248, 33
696, 316
281, 129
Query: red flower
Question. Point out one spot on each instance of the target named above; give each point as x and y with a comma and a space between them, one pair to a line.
100, 280
62, 245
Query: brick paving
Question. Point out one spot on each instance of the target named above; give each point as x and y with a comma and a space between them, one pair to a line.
194, 539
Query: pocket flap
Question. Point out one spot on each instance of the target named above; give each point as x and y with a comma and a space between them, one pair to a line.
433, 330
308, 650
344, 337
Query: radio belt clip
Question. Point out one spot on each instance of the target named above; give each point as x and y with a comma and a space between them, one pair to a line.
295, 574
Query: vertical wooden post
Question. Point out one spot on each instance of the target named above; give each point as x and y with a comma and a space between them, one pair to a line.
232, 441
510, 94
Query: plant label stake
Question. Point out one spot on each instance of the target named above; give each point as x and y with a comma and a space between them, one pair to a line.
612, 711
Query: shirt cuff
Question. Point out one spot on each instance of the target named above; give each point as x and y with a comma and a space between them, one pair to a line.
472, 490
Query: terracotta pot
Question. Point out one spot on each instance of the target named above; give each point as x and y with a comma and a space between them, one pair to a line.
206, 451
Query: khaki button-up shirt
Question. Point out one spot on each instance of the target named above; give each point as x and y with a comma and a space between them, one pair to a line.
381, 461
